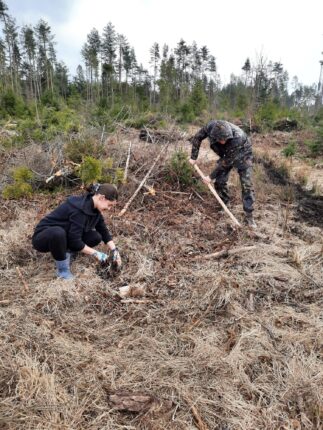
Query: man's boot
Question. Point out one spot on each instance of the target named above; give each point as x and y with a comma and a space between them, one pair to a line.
249, 220
63, 268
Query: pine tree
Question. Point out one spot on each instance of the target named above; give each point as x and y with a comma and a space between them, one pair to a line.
127, 62
122, 46
45, 46
182, 52
109, 55
29, 48
90, 52
3, 75
195, 62
167, 84
165, 51
80, 81
4, 18
11, 42
247, 68
154, 61
61, 79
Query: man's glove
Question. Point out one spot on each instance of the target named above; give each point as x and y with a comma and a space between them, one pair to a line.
116, 259
100, 256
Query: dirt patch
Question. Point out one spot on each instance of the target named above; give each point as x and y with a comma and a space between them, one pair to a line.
309, 206
310, 209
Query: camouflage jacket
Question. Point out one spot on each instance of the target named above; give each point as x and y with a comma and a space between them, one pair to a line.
237, 144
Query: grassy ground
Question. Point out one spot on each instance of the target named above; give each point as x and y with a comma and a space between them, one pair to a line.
200, 343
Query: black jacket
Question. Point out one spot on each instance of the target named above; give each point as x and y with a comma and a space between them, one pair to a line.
76, 216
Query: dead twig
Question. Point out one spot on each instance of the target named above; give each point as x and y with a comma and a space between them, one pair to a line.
124, 210
4, 302
197, 417
26, 287
226, 252
199, 422
150, 190
103, 130
198, 195
127, 163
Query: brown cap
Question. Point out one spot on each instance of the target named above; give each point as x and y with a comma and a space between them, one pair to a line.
108, 191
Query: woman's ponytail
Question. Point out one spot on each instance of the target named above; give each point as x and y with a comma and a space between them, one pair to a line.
92, 189
109, 191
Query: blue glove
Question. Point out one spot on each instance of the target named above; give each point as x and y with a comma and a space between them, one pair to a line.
100, 256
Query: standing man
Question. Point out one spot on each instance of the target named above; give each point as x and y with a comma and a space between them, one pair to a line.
233, 147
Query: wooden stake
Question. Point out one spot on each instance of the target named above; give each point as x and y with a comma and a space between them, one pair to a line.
127, 163
124, 210
211, 188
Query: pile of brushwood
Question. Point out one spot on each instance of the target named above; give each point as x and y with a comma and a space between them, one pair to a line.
207, 326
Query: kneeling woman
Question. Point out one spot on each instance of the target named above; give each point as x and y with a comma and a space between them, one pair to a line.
78, 225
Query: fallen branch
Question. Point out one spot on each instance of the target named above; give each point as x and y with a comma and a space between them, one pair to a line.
150, 190
198, 195
200, 424
124, 210
136, 301
64, 171
103, 130
26, 287
127, 163
211, 188
226, 252
4, 302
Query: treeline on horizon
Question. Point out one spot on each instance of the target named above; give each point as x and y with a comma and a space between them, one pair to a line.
182, 82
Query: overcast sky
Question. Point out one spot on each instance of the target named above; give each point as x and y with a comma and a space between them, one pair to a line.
289, 31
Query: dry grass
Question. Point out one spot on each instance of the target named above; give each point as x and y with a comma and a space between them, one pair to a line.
234, 343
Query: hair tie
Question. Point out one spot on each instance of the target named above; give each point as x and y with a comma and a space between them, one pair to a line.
96, 187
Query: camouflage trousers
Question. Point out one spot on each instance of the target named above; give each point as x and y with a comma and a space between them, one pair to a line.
221, 176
